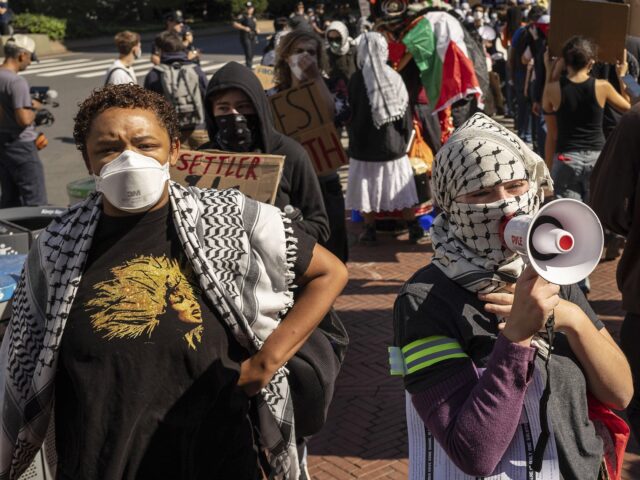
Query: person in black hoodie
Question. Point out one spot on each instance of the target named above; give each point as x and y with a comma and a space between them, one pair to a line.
241, 100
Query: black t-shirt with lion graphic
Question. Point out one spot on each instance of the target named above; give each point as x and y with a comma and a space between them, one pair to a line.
146, 383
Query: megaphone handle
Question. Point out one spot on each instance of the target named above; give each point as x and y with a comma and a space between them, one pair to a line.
543, 439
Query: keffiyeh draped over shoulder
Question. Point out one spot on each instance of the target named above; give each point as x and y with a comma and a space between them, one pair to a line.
467, 241
242, 252
386, 90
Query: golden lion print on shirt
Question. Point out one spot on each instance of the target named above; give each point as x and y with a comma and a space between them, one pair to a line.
131, 304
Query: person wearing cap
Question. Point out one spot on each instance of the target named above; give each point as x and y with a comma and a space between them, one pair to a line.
246, 24
21, 172
6, 16
173, 22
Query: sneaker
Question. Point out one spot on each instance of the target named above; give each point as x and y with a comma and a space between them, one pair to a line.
369, 235
416, 232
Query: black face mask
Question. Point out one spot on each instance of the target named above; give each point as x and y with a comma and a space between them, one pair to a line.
237, 132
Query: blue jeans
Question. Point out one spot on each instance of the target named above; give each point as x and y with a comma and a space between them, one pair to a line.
21, 174
571, 173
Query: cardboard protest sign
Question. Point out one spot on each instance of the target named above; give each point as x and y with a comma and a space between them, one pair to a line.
600, 21
265, 75
254, 174
634, 17
300, 114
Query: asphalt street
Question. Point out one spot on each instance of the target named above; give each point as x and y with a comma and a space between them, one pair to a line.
75, 74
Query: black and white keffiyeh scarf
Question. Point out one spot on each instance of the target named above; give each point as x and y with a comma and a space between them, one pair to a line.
386, 90
466, 237
242, 252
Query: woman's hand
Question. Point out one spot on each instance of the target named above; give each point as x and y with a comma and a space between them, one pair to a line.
534, 300
622, 67
255, 374
499, 303
309, 67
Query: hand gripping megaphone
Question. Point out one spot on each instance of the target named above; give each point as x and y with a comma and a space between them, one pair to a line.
562, 242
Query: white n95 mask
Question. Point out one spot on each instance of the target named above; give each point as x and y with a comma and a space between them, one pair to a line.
132, 182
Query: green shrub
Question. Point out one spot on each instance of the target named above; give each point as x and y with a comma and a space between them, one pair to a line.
35, 23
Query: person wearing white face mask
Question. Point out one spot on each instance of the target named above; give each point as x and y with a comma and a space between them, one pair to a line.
130, 49
341, 52
168, 309
300, 57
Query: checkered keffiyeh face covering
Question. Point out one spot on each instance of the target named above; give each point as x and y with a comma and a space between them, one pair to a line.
466, 236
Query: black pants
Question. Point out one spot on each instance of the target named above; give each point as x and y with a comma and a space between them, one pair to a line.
334, 204
247, 46
629, 335
21, 174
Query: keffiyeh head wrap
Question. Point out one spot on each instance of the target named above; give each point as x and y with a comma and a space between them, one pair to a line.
342, 29
466, 236
387, 93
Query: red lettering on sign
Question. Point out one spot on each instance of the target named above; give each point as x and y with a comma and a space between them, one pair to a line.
251, 170
195, 162
209, 159
239, 170
516, 240
230, 170
311, 150
222, 159
334, 150
184, 164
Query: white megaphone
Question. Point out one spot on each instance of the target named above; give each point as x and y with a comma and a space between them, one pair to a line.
562, 242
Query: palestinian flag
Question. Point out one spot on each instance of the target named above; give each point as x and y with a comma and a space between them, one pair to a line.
436, 42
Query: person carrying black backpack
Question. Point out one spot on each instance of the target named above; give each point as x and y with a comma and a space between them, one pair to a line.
184, 84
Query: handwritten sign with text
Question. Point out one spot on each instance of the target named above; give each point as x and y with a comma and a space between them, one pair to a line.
299, 113
255, 174
265, 75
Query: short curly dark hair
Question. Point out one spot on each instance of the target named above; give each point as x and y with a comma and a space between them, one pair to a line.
122, 96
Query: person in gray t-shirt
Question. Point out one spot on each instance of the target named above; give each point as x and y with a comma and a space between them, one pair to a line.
21, 172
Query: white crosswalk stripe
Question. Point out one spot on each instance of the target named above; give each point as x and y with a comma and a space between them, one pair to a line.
92, 68
51, 67
102, 66
141, 70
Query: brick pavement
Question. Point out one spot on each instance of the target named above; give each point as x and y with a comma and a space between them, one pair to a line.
365, 435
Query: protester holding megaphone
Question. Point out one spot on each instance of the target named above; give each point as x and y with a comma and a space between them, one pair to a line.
468, 337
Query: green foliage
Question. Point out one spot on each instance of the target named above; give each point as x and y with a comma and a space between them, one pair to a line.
34, 23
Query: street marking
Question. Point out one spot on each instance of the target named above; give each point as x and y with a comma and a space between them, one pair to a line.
141, 73
216, 66
141, 70
48, 68
48, 60
83, 68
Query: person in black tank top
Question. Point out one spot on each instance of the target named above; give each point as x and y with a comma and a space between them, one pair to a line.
579, 117
574, 112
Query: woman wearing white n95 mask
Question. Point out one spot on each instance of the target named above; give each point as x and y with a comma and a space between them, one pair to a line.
150, 316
